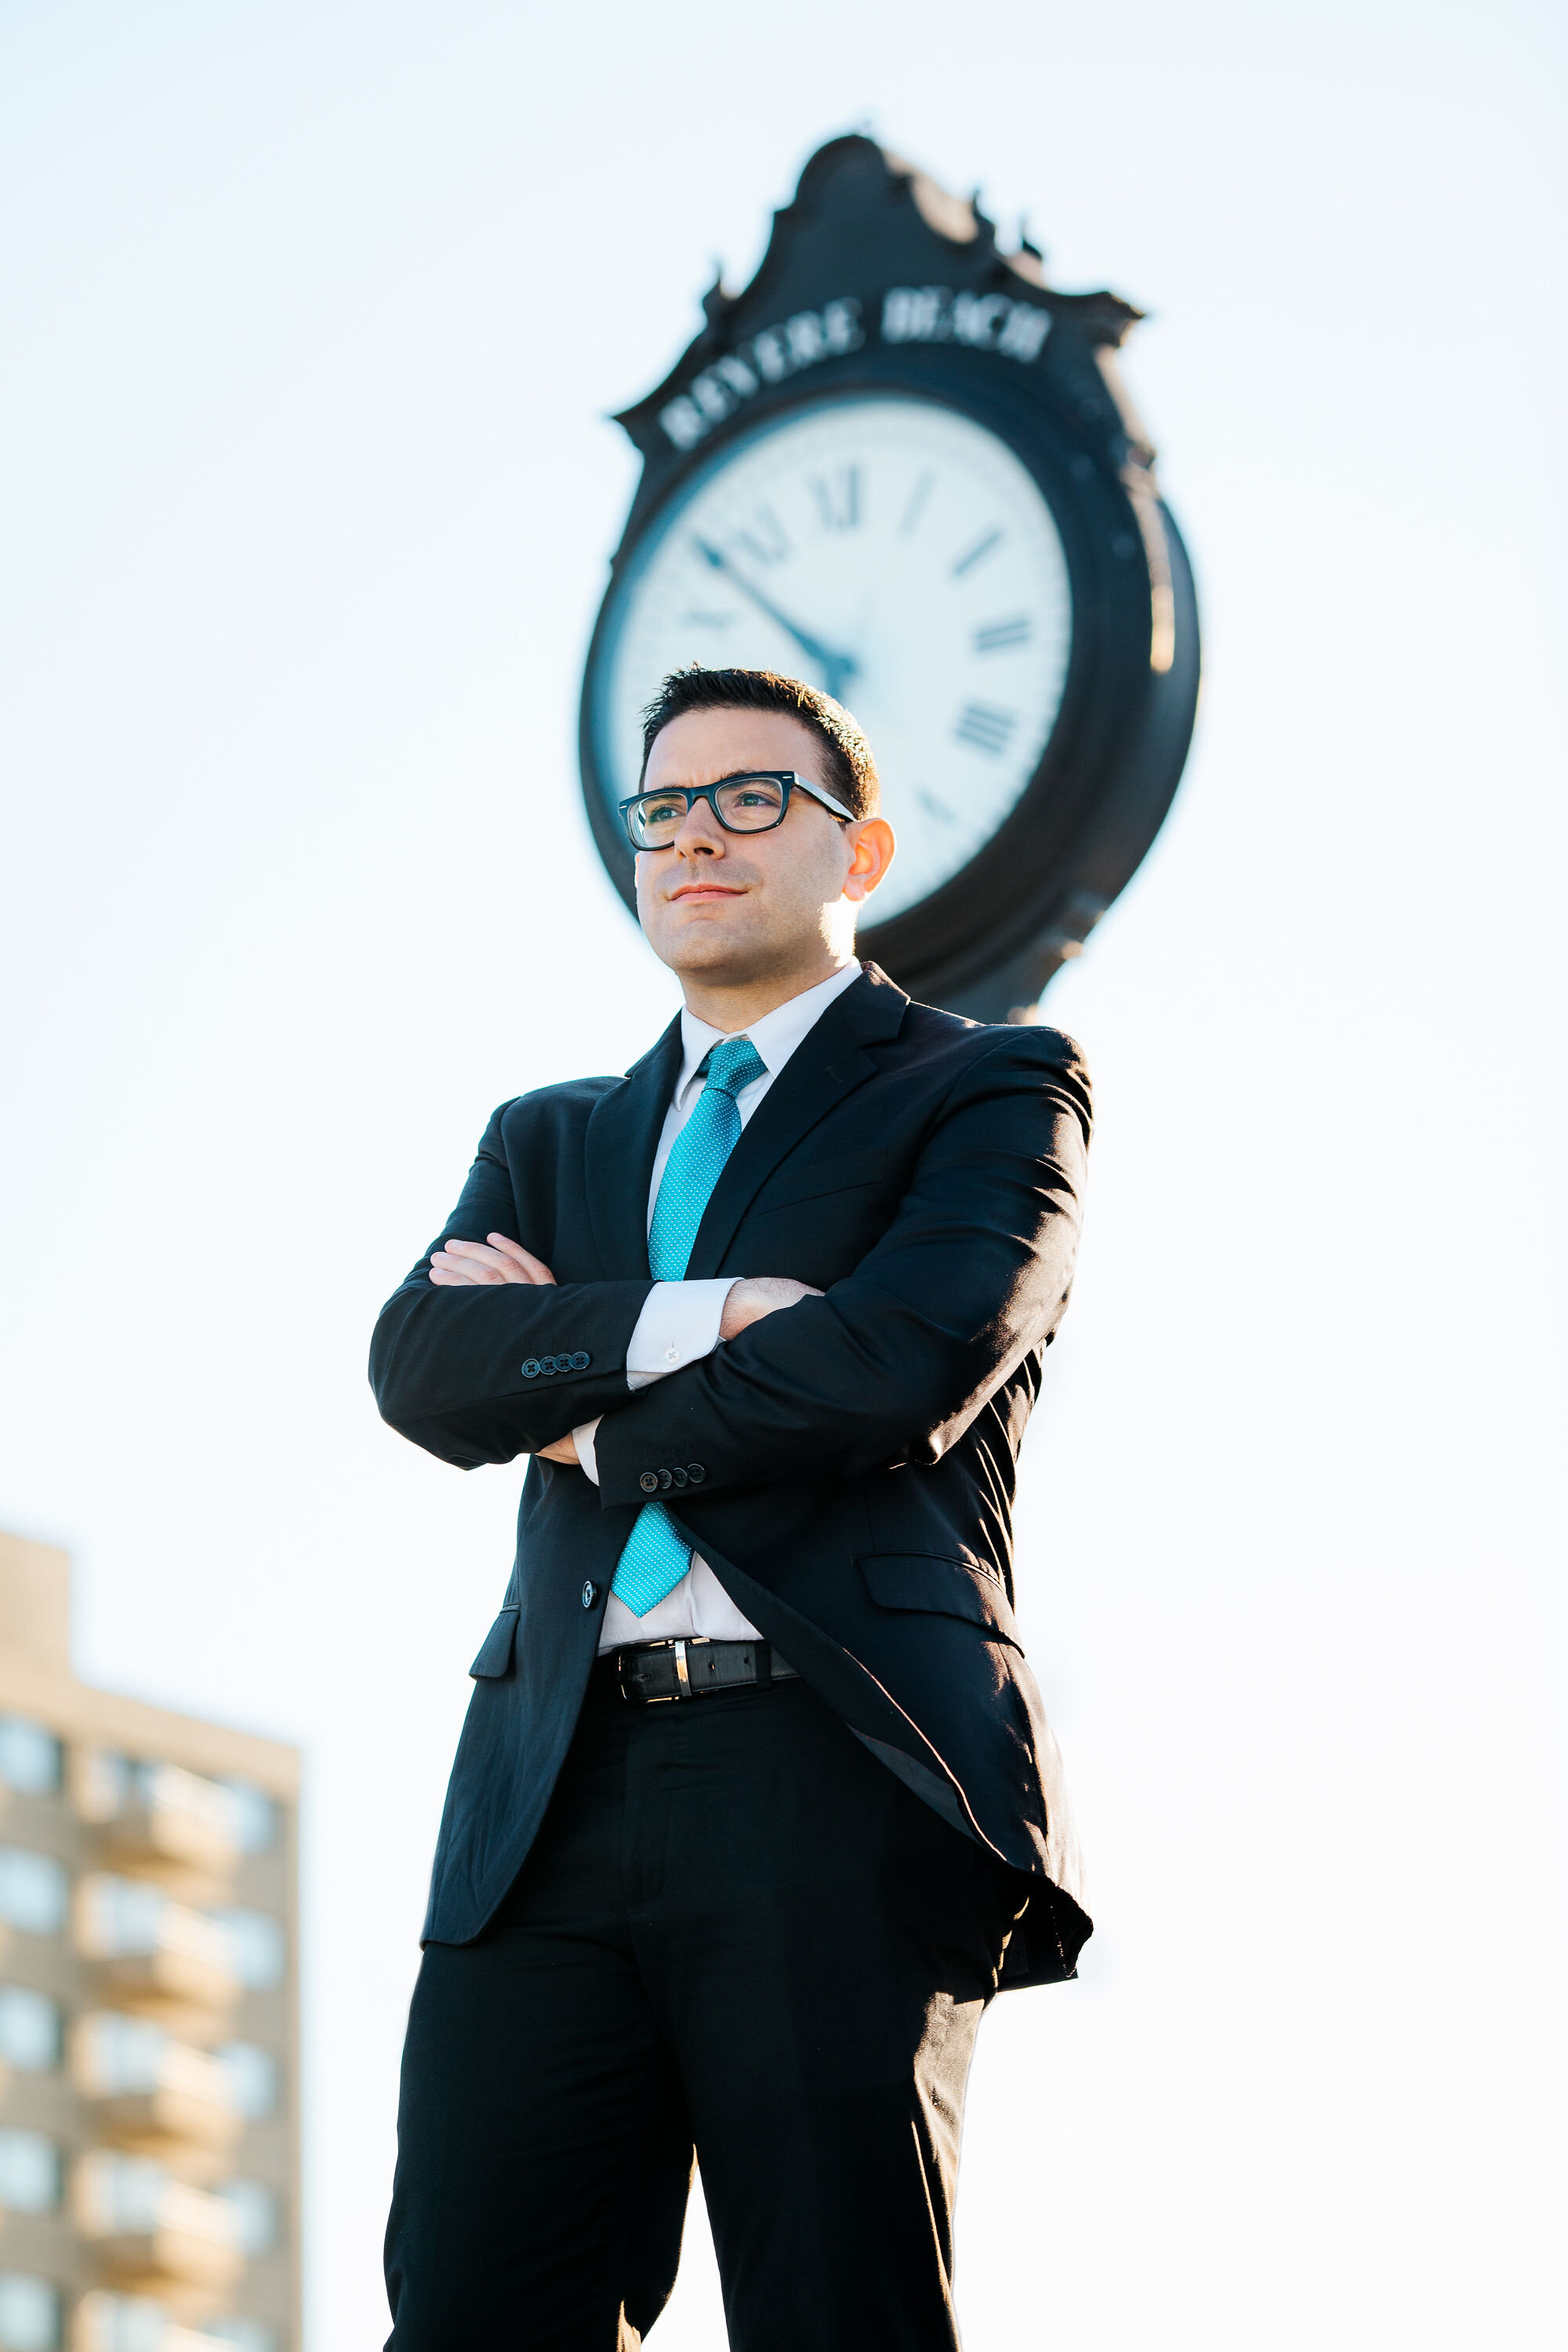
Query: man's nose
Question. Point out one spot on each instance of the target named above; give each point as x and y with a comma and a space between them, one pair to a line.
701, 836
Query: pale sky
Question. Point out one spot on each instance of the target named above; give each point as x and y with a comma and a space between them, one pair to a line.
313, 315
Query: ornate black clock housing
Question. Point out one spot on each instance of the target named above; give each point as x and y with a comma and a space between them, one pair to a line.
901, 466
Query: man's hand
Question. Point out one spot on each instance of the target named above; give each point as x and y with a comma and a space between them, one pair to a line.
496, 1259
472, 1261
760, 1294
747, 1303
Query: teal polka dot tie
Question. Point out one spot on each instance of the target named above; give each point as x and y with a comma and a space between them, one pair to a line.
656, 1555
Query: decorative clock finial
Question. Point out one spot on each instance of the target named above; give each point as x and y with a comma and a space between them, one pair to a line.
716, 303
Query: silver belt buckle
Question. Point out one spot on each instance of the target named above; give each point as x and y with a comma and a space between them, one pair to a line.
678, 1647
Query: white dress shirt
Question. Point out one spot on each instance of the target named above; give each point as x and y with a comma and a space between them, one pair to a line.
679, 1321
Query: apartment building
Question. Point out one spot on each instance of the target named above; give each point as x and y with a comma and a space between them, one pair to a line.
149, 2083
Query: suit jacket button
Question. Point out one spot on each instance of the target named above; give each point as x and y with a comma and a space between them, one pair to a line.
666, 1480
696, 1473
580, 1360
590, 1593
529, 1368
648, 1482
678, 1475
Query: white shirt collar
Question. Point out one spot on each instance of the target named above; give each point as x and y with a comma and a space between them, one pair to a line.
776, 1035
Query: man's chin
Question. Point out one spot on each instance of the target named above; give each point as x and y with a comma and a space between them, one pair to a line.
705, 929
710, 956
713, 951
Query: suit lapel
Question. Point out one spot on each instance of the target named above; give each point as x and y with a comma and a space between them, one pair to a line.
829, 1062
618, 1149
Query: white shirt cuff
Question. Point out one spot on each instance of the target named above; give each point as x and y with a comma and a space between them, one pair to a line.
678, 1323
582, 1439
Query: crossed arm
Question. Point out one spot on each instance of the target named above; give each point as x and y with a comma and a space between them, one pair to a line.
889, 1366
499, 1259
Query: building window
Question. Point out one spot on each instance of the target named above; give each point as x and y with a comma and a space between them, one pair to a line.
255, 2211
252, 2078
256, 1942
119, 1915
29, 2313
29, 2172
33, 1891
245, 2335
113, 2054
119, 2323
254, 1817
99, 1782
118, 2196
29, 1756
29, 2030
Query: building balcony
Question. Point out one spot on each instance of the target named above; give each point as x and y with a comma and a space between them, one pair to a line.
105, 2322
155, 2095
157, 2236
160, 1822
156, 1957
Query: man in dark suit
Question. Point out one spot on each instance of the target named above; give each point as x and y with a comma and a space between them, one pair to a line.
755, 1804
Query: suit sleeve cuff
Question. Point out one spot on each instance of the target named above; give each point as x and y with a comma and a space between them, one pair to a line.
582, 1439
678, 1323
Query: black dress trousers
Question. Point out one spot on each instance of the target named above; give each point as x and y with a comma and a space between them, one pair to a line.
736, 1930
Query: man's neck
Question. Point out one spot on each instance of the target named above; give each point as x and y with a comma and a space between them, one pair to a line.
734, 1008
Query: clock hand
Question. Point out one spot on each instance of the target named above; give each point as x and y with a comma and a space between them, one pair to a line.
841, 667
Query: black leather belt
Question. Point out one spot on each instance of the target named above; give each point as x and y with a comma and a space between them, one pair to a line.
691, 1668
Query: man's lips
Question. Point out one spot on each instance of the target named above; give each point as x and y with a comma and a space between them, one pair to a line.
705, 890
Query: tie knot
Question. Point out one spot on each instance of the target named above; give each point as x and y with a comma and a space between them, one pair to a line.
734, 1065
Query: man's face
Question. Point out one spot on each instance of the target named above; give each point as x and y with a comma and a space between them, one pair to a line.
731, 907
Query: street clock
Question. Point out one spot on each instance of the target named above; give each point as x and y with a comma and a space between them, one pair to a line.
902, 468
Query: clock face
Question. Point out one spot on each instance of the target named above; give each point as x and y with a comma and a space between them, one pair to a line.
892, 551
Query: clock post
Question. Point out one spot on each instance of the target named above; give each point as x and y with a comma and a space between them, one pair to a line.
901, 466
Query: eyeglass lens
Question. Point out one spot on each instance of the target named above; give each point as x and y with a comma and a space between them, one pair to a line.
748, 805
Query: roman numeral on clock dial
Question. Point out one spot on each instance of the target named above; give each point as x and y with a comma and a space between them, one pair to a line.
1000, 637
839, 498
985, 727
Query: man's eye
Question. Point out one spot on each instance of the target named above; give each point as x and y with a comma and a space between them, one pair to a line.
661, 811
755, 800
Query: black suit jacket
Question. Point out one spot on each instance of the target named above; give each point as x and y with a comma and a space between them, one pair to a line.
847, 1466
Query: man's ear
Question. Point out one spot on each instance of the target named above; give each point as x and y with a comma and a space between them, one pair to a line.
874, 845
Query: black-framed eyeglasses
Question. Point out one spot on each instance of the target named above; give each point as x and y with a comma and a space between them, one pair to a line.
752, 801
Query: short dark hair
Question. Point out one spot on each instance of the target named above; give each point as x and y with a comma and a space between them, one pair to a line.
851, 770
